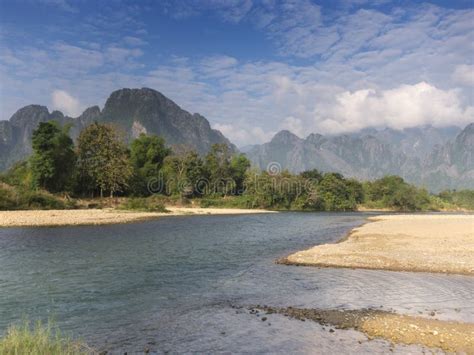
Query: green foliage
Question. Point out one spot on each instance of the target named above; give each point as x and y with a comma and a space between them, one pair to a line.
39, 340
394, 193
239, 164
314, 175
53, 159
148, 204
220, 179
217, 166
147, 154
18, 198
462, 198
274, 191
337, 193
103, 160
18, 175
226, 202
183, 173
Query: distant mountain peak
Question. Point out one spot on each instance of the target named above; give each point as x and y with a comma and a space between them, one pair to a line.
285, 136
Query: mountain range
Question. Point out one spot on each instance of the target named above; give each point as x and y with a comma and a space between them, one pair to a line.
438, 158
134, 111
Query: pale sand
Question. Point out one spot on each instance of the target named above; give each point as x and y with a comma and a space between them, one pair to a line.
424, 243
448, 335
38, 218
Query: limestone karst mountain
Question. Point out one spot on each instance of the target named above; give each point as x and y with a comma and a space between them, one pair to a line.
135, 111
437, 158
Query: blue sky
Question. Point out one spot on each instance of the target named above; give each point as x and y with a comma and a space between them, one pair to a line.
251, 67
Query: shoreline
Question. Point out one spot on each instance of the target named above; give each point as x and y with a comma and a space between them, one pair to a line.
84, 217
409, 242
451, 336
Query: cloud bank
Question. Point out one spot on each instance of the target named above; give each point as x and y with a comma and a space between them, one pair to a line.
333, 70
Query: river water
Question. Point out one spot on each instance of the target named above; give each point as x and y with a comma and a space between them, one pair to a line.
169, 285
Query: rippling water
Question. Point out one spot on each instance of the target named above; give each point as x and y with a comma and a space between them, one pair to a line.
168, 284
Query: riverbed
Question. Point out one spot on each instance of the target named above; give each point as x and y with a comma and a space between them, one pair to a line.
177, 284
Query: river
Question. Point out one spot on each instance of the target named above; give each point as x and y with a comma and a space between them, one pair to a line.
172, 284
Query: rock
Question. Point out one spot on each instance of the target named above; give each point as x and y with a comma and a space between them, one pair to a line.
133, 110
264, 319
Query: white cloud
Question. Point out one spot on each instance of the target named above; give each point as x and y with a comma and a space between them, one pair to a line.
244, 135
294, 125
337, 72
63, 101
398, 108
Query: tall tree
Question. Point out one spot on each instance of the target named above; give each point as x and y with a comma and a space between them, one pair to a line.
103, 158
217, 167
147, 154
184, 175
239, 165
53, 159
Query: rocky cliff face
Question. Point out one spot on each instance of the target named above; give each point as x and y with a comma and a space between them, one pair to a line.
432, 157
148, 111
451, 165
135, 111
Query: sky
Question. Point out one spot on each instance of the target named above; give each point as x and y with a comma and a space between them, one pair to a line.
252, 68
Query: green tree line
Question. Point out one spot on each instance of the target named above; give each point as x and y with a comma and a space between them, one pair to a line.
101, 164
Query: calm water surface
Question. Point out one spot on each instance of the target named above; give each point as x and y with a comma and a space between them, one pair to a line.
168, 285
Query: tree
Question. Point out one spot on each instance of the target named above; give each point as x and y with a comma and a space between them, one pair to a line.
394, 192
147, 154
184, 175
239, 165
217, 167
313, 175
337, 193
103, 159
53, 160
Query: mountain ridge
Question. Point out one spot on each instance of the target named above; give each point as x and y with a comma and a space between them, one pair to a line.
135, 111
438, 158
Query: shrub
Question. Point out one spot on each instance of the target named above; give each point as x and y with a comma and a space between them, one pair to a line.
39, 340
18, 198
143, 204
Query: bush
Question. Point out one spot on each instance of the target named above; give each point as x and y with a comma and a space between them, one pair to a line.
394, 193
39, 340
143, 204
12, 198
462, 198
8, 199
38, 200
227, 202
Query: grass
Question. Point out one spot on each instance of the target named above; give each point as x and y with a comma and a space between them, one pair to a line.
142, 204
226, 202
40, 339
17, 198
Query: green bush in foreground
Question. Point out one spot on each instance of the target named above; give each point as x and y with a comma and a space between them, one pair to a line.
39, 340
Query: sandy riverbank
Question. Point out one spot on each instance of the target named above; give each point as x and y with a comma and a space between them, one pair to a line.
39, 218
448, 335
424, 243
